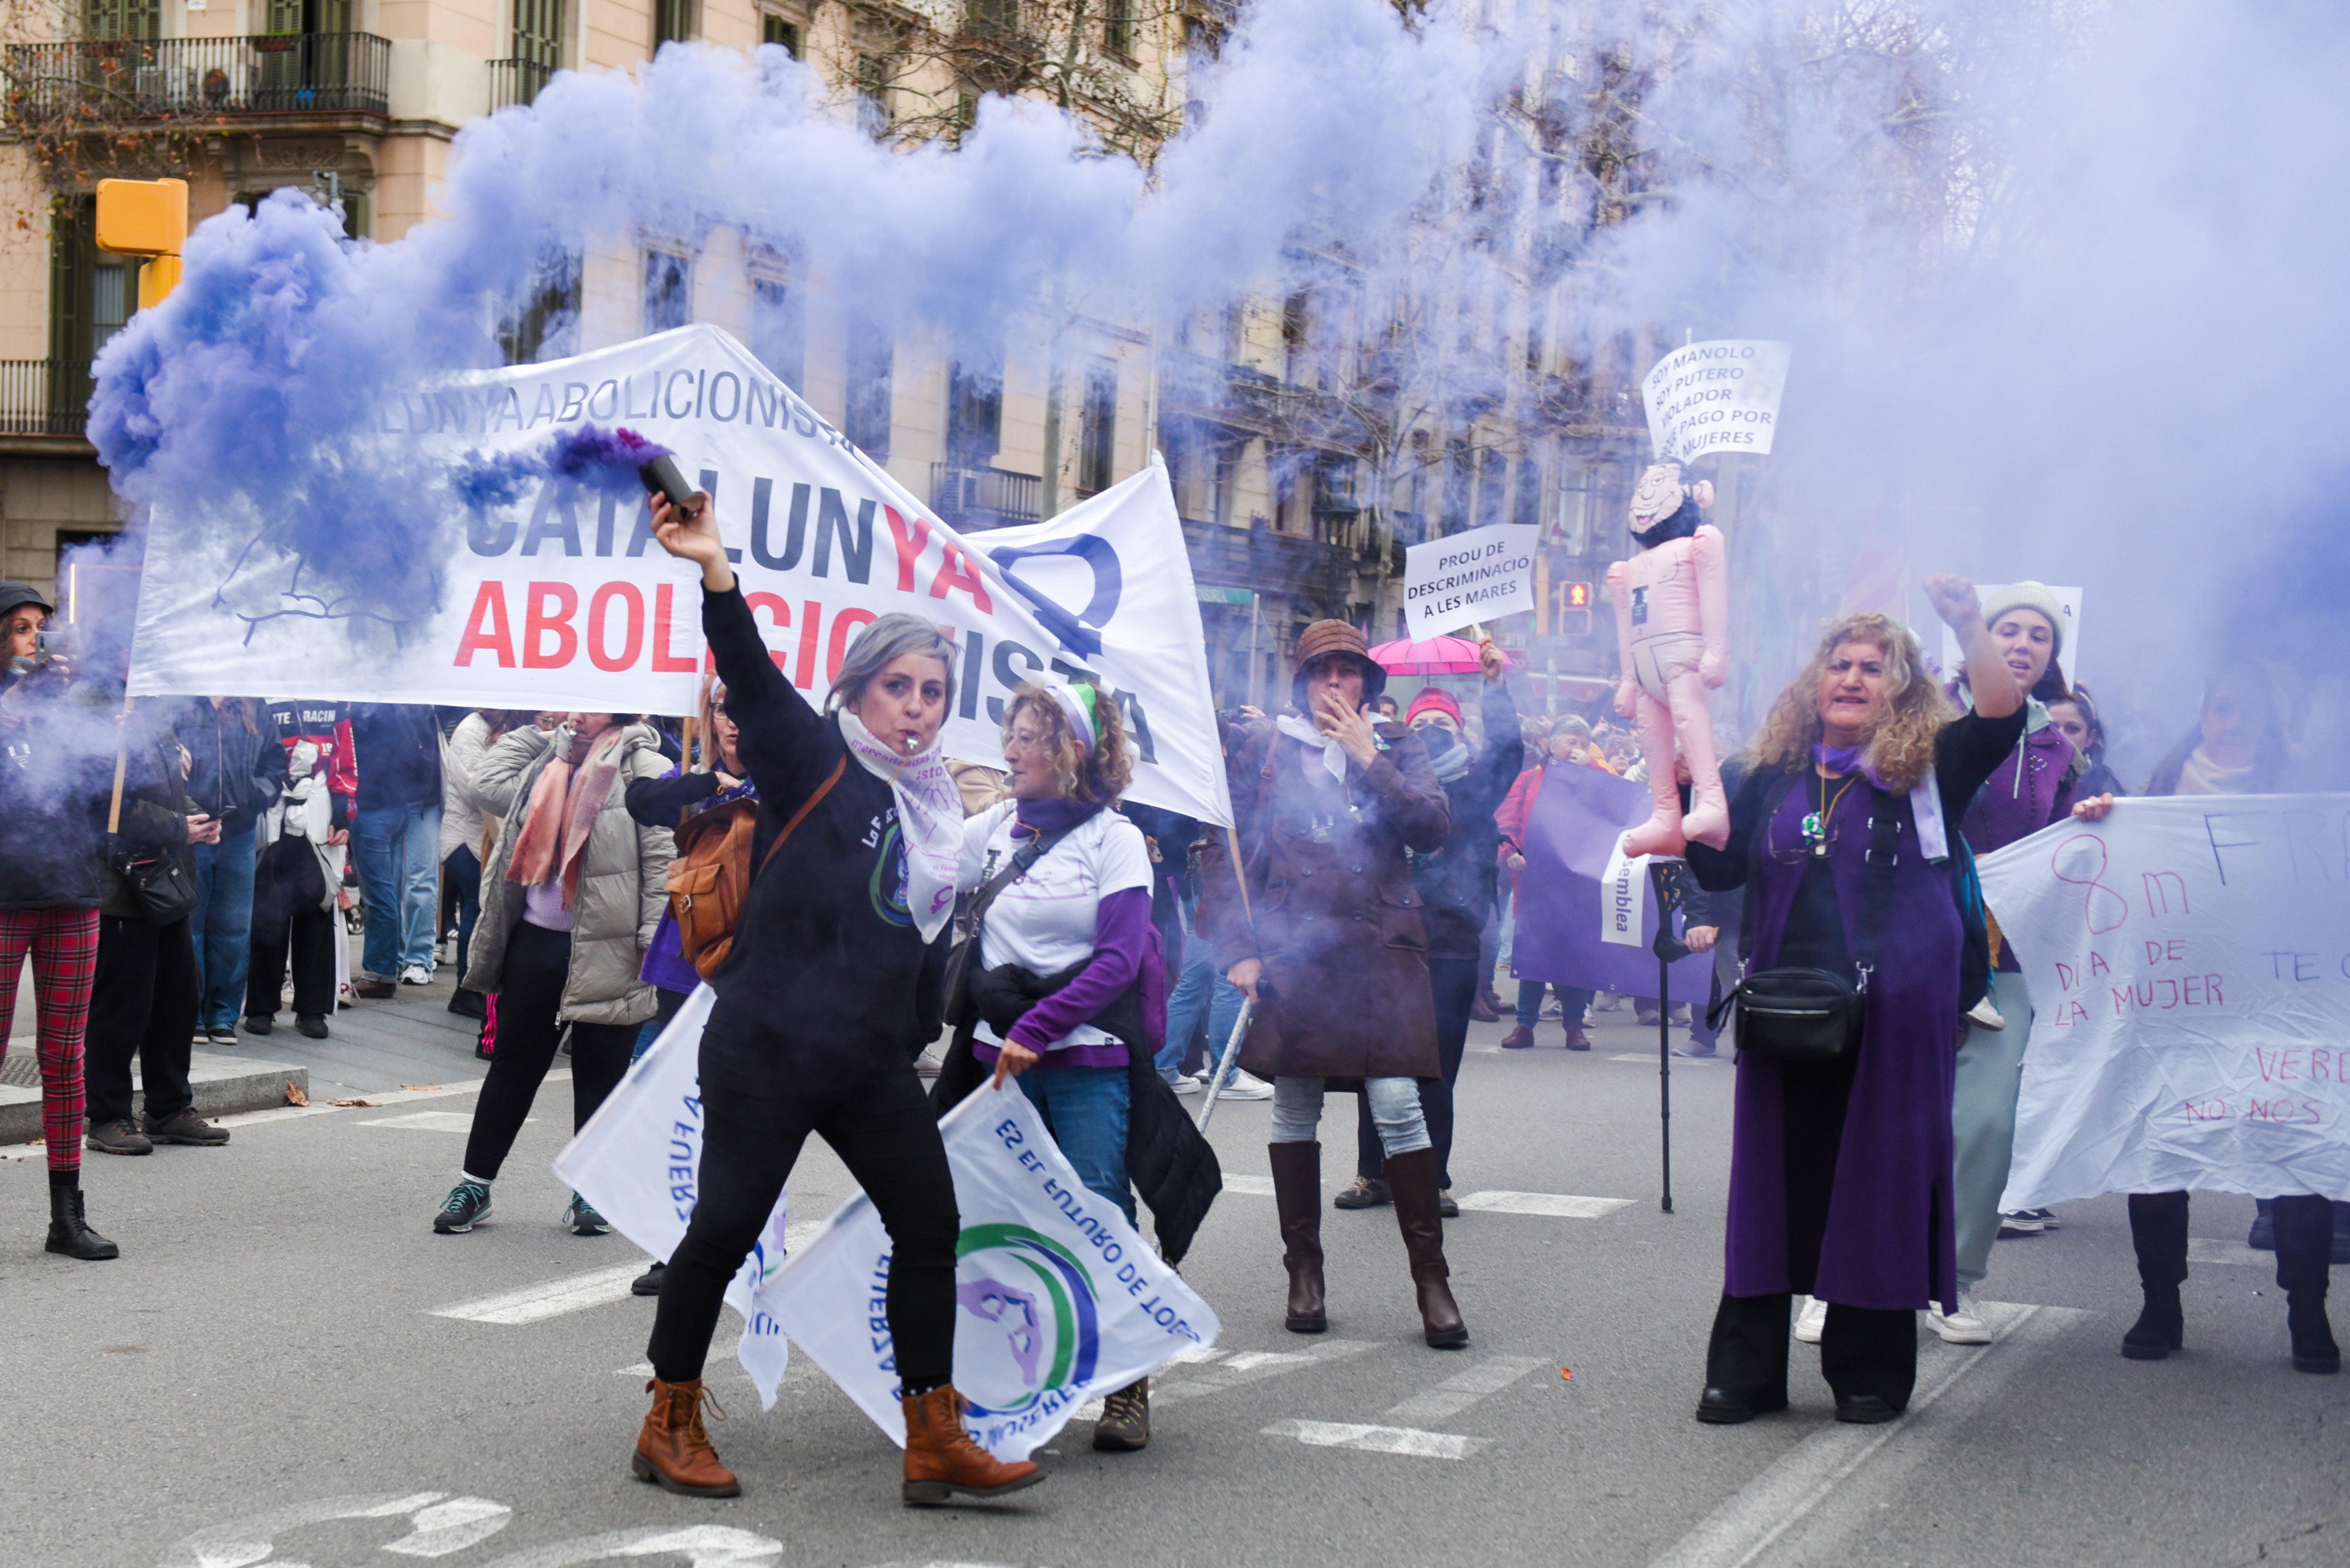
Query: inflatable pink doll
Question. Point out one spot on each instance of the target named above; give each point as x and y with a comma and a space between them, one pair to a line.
1672, 621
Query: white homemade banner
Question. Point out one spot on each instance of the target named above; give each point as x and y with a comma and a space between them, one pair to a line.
2068, 600
1468, 577
564, 600
1715, 397
1623, 897
638, 1160
1058, 1299
2189, 965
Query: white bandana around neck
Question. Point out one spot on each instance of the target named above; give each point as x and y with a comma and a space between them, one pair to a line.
930, 815
1333, 755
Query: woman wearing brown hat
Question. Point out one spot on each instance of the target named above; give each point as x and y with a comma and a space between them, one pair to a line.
1326, 939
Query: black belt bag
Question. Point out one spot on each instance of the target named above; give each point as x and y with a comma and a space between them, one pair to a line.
1814, 1015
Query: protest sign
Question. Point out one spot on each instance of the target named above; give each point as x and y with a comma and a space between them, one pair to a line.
563, 600
1715, 397
2189, 965
639, 1161
1569, 931
1058, 1299
2068, 600
1462, 577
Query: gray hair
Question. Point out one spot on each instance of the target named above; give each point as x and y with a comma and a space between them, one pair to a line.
890, 638
1569, 724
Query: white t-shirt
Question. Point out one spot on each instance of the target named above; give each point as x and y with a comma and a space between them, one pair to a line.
1047, 920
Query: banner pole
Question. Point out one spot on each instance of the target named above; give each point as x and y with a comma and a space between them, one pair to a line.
1665, 1065
121, 760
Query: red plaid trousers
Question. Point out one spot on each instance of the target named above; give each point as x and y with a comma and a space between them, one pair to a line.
64, 945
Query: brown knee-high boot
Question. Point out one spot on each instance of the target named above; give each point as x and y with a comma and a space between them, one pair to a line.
1412, 1179
1298, 1199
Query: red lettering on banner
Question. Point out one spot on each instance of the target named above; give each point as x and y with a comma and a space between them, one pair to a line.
780, 613
808, 624
844, 623
954, 572
909, 540
537, 624
664, 612
487, 630
635, 642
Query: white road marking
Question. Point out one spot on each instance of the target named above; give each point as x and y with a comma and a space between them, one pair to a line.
1464, 1389
1678, 1061
534, 1304
1554, 1205
2211, 1249
430, 1121
1232, 1370
1253, 1186
1817, 1469
1379, 1440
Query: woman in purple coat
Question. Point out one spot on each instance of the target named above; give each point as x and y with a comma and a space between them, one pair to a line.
1840, 1172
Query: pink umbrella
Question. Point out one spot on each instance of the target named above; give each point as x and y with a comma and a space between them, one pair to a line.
1427, 655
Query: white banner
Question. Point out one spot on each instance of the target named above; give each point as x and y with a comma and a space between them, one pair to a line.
1623, 897
2189, 966
563, 600
638, 1160
1058, 1299
1470, 577
2068, 601
1715, 397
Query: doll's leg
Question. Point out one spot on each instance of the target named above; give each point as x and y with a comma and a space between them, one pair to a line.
1708, 821
1661, 833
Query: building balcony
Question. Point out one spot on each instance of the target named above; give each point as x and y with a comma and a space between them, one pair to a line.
44, 397
516, 81
985, 497
126, 81
1266, 562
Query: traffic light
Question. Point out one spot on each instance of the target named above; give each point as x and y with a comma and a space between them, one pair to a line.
145, 218
1575, 610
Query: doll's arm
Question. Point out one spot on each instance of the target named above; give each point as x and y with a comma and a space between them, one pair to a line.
1619, 590
1710, 560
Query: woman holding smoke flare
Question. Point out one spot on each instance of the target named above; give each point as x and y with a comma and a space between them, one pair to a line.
829, 992
1841, 1168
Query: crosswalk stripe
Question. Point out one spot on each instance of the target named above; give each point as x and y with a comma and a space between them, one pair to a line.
553, 1298
1552, 1205
1379, 1440
1464, 1389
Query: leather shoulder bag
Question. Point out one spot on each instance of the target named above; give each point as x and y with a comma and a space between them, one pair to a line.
710, 880
1798, 1013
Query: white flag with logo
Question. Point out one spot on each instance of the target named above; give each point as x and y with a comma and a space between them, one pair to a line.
1058, 1299
639, 1161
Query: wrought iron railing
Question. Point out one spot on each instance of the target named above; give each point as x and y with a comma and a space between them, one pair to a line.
985, 497
44, 397
517, 80
126, 79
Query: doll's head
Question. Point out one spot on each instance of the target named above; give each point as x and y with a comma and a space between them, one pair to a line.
1664, 508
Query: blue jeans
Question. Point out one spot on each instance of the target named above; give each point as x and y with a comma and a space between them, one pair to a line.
465, 872
1573, 1002
398, 849
1194, 988
1084, 1109
1395, 1112
221, 927
1223, 1011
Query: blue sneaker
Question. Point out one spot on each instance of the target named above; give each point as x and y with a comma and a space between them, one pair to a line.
467, 1204
580, 1219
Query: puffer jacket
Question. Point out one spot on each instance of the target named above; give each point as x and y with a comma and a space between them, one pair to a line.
623, 880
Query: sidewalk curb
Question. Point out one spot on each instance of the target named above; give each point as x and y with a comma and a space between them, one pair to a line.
223, 1085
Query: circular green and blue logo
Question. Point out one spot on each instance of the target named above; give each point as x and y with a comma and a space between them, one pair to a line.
1038, 1299
890, 872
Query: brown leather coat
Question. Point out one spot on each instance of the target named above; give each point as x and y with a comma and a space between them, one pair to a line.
1337, 921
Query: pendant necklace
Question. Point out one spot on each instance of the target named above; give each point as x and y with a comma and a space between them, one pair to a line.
1815, 823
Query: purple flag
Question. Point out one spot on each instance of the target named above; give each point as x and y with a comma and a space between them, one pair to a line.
1578, 816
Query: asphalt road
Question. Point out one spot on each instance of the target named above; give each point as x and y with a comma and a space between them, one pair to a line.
269, 1358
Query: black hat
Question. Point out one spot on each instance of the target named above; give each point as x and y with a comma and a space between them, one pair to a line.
15, 596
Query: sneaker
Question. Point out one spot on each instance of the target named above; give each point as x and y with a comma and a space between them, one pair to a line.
1183, 1085
1695, 1051
1519, 1039
579, 1218
649, 1282
416, 974
312, 1027
2047, 1218
1245, 1086
223, 1035
1960, 1325
2022, 1223
1125, 1423
1368, 1192
1983, 1016
118, 1137
467, 1205
188, 1130
1445, 1206
1811, 1319
376, 989
259, 1025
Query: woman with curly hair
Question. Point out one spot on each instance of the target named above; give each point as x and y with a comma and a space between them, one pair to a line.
1840, 1184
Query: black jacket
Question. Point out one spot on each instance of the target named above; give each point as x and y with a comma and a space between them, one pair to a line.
1458, 880
155, 806
397, 748
230, 775
56, 771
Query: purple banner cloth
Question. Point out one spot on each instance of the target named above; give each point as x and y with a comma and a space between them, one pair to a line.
1578, 816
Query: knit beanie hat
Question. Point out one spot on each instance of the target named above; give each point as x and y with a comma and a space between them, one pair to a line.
1430, 700
2028, 595
1325, 638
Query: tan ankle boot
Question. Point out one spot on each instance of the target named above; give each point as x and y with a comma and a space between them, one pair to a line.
674, 1450
941, 1457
